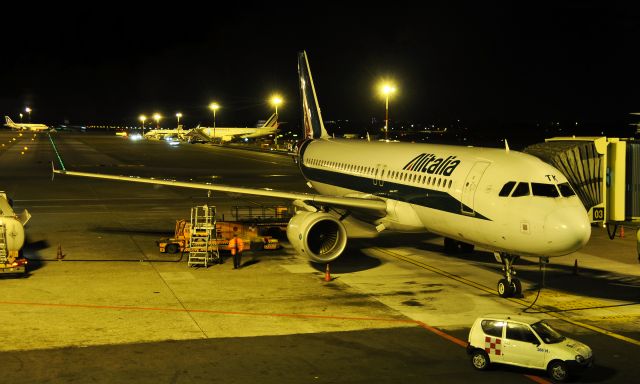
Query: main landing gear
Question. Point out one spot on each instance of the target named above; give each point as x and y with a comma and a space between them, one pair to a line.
508, 286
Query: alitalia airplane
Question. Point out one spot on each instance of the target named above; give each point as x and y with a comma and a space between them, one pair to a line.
25, 126
506, 201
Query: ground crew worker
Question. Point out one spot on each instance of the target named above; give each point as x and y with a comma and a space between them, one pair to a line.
236, 245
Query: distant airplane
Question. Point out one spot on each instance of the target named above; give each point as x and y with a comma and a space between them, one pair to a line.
508, 202
11, 236
163, 133
25, 126
229, 133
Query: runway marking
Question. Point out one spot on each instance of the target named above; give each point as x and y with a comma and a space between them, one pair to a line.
420, 324
484, 288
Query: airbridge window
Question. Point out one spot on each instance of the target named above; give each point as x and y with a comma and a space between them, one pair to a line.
506, 189
522, 189
566, 190
544, 190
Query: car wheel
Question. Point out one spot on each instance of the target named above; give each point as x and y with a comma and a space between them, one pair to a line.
558, 371
504, 289
480, 360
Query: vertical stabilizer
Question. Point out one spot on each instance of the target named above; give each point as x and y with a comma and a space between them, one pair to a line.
10, 122
311, 116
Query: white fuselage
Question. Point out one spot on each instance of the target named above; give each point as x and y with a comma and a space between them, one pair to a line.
228, 134
454, 191
29, 127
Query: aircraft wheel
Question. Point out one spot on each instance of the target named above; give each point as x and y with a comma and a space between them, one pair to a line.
516, 287
504, 289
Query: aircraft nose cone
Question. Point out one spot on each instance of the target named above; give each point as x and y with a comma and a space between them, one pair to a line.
566, 230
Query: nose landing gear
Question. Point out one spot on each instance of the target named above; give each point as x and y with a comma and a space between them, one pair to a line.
508, 286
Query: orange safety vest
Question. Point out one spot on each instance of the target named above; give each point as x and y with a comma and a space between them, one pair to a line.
236, 243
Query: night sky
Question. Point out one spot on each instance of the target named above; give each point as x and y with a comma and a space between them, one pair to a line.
482, 62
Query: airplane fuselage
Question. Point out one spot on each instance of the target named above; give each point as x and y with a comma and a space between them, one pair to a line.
455, 192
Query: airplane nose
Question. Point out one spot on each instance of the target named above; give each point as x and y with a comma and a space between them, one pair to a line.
566, 230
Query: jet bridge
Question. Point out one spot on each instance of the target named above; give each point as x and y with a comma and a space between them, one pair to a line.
605, 172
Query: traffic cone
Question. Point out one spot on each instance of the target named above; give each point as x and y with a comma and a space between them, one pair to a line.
622, 231
327, 274
59, 256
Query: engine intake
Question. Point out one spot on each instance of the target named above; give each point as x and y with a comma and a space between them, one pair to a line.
317, 235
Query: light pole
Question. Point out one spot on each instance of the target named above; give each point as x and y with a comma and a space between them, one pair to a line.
178, 116
387, 89
28, 110
275, 101
142, 118
21, 118
157, 117
214, 107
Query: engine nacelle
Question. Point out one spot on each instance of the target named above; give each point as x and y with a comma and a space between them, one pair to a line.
317, 235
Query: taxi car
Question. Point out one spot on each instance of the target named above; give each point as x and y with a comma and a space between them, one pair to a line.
525, 342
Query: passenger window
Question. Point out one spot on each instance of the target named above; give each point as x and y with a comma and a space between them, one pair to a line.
566, 190
492, 327
521, 332
522, 189
506, 189
544, 190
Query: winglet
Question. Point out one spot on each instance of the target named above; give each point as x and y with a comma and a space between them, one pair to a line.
506, 145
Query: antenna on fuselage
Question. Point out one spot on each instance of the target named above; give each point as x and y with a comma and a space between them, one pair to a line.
506, 145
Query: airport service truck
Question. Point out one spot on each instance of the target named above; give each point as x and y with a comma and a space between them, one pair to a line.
251, 233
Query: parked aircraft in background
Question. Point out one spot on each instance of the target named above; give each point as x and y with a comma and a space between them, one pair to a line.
24, 126
506, 201
224, 134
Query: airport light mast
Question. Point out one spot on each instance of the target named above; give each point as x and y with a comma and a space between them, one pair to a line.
157, 117
142, 118
178, 116
21, 117
28, 110
386, 89
214, 107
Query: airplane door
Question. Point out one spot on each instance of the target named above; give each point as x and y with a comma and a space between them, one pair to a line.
470, 186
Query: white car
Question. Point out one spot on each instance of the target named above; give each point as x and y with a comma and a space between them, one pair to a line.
525, 342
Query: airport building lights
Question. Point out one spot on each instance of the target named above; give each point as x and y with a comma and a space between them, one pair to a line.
142, 118
386, 89
157, 117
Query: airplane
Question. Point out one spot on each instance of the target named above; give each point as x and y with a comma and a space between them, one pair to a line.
227, 133
160, 134
25, 126
508, 202
12, 235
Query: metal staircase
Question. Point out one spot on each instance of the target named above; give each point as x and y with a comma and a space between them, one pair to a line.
203, 251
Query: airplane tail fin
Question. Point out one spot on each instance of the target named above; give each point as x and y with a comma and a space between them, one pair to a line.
9, 121
311, 116
272, 122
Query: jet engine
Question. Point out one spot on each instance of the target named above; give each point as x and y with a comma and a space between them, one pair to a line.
317, 235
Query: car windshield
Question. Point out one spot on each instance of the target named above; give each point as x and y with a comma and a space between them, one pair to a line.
547, 333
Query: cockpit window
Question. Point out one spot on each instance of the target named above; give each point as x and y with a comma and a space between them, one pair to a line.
522, 189
566, 190
544, 190
506, 189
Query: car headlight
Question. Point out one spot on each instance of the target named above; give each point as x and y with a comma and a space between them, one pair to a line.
579, 359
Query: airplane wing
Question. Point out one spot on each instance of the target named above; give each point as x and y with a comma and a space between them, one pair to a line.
370, 203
